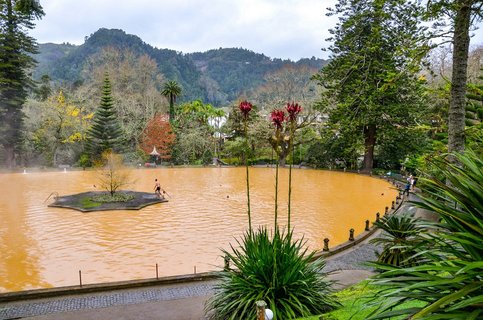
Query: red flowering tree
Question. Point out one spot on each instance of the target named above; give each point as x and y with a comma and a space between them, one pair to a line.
158, 134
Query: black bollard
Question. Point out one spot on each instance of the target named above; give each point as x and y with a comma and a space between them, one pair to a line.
378, 215
351, 235
392, 205
326, 244
386, 210
367, 225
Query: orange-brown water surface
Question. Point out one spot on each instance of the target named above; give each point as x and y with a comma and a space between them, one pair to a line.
46, 247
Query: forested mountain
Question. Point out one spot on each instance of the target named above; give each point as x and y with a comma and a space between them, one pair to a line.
217, 76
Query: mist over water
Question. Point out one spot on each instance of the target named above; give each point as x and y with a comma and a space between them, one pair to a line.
44, 247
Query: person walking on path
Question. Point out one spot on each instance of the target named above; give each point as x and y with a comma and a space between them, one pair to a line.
407, 188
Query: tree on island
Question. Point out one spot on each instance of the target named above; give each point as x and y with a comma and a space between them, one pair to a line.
112, 176
171, 90
105, 132
16, 50
371, 80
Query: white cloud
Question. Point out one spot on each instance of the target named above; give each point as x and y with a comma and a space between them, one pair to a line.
291, 29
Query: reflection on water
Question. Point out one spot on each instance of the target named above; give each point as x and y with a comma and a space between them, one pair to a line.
44, 247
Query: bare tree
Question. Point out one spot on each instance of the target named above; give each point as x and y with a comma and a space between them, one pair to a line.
113, 175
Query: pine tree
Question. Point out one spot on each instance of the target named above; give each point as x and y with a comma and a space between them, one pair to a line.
371, 78
16, 48
105, 132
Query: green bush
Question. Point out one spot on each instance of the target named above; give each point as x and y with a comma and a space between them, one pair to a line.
85, 161
231, 161
398, 240
116, 197
276, 270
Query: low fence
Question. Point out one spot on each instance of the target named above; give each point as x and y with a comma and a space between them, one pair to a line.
197, 277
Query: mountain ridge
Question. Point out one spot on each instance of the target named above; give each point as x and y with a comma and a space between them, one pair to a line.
216, 76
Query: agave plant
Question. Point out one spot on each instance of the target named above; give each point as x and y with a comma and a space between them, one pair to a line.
275, 269
449, 282
398, 240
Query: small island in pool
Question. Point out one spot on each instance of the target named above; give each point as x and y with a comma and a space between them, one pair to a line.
102, 200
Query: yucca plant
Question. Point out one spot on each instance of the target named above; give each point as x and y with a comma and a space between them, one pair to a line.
274, 268
449, 281
398, 240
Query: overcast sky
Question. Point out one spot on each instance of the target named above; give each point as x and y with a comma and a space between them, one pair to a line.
290, 29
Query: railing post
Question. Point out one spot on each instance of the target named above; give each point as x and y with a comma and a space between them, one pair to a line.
157, 276
351, 235
367, 225
80, 278
227, 263
260, 309
326, 244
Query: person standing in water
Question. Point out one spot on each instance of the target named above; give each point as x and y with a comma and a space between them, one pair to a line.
157, 188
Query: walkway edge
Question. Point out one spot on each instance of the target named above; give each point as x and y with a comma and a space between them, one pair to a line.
100, 287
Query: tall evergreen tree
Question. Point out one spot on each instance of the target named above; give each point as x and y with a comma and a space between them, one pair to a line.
105, 133
371, 78
171, 90
16, 47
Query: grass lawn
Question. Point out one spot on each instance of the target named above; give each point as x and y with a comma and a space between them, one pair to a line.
355, 301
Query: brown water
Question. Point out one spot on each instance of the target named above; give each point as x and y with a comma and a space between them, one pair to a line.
44, 247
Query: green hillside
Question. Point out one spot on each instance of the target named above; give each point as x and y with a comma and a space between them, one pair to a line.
217, 76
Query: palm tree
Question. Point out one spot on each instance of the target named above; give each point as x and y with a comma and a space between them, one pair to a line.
171, 90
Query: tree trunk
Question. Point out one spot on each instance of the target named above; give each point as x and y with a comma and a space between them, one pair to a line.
369, 143
171, 108
461, 40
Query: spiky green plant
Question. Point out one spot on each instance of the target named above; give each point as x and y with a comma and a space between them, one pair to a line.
276, 269
398, 240
449, 281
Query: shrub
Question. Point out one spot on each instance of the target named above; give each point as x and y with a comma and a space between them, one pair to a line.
449, 280
276, 270
398, 240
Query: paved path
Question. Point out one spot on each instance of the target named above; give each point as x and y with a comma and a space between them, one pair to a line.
177, 302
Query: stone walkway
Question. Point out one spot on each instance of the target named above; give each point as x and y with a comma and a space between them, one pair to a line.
180, 302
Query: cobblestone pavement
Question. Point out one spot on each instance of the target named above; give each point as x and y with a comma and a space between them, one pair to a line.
351, 259
64, 304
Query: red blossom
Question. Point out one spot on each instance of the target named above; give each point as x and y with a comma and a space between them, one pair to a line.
278, 117
293, 110
245, 108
